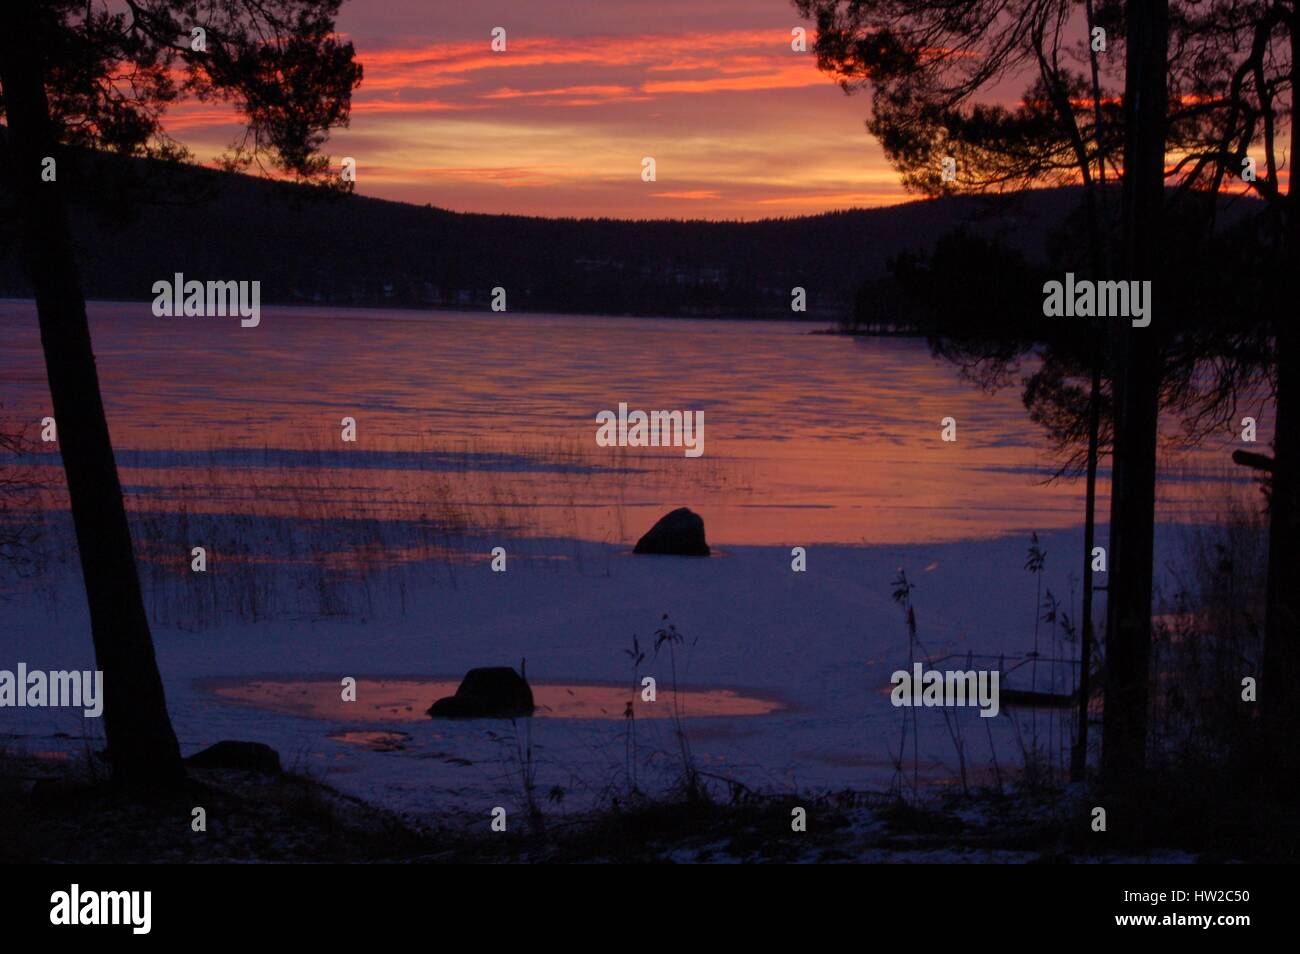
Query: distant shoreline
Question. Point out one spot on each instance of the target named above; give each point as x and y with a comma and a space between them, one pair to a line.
856, 333
835, 328
487, 312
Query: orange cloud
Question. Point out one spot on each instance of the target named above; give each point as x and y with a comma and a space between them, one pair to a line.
788, 77
410, 106
441, 64
693, 194
838, 199
508, 93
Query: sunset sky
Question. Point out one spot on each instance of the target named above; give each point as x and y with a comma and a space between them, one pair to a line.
740, 126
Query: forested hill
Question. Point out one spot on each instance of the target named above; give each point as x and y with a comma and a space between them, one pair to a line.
352, 250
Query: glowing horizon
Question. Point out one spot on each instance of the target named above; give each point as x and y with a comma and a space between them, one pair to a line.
740, 125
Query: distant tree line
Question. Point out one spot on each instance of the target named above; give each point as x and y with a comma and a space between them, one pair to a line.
140, 220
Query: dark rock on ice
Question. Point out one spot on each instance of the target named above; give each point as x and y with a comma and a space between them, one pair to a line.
680, 533
490, 692
249, 756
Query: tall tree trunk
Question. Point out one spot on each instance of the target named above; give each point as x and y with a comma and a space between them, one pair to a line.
1277, 693
141, 743
1101, 267
1279, 696
1079, 753
1137, 394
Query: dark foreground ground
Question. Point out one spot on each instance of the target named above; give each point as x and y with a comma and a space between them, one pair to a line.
60, 812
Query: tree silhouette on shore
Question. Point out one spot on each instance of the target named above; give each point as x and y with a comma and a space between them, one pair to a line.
1185, 93
78, 74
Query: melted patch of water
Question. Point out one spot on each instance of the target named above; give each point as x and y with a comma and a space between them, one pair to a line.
406, 700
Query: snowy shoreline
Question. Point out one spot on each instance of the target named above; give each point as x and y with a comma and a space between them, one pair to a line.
825, 641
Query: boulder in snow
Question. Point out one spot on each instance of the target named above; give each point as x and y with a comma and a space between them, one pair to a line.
249, 756
680, 533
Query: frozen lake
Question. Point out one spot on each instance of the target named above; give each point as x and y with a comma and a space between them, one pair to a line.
370, 559
809, 438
